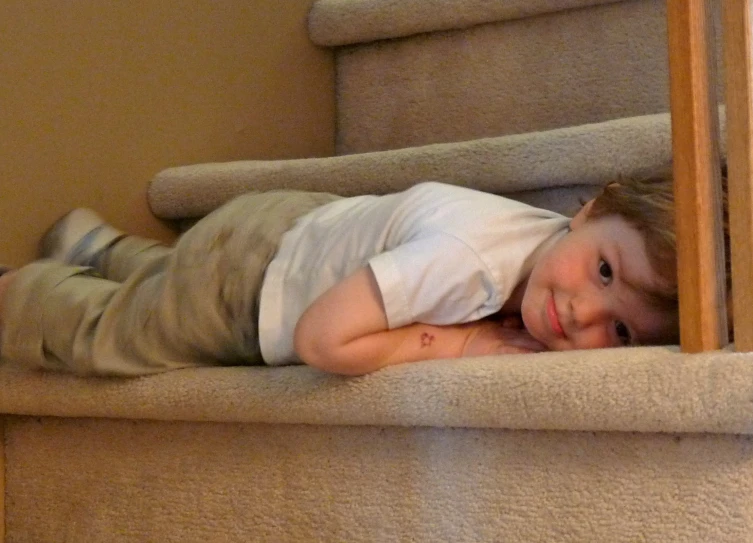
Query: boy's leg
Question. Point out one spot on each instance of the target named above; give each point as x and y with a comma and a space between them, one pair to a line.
83, 238
196, 305
60, 317
127, 255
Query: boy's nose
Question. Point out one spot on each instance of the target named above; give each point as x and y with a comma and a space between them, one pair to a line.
592, 320
589, 309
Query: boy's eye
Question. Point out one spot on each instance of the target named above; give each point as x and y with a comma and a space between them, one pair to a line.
622, 332
605, 272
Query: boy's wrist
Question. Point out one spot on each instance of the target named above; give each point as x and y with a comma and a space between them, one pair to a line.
491, 337
428, 341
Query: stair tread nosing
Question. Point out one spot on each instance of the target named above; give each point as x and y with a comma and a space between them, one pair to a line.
343, 22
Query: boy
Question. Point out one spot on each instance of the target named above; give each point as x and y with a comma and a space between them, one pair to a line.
348, 285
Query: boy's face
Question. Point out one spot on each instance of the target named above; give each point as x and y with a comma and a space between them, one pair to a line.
588, 290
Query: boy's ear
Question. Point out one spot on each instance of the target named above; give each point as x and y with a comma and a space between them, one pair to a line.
582, 216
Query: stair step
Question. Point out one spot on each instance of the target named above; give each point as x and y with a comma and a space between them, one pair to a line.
343, 22
641, 389
587, 155
558, 69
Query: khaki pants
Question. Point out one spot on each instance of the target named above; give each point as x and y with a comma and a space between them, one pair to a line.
155, 308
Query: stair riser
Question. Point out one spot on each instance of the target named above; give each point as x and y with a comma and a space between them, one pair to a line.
561, 69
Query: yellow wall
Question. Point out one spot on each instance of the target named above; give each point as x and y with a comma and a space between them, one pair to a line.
96, 96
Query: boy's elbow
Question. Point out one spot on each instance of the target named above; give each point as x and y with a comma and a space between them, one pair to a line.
321, 351
309, 350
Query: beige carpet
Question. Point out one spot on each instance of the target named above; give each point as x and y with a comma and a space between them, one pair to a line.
573, 159
562, 67
646, 389
343, 22
624, 445
87, 481
621, 445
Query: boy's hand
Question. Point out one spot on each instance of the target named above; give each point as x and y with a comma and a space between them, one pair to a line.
490, 337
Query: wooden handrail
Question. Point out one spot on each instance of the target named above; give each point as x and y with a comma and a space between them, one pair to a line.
697, 187
739, 96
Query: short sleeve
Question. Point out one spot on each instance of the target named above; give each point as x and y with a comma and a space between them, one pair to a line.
436, 279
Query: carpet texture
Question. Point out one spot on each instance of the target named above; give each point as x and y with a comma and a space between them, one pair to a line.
342, 22
641, 444
541, 100
646, 389
99, 480
521, 166
556, 69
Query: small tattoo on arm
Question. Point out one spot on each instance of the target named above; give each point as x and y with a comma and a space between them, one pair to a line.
426, 339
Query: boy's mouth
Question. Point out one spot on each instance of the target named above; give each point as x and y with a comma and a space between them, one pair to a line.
554, 321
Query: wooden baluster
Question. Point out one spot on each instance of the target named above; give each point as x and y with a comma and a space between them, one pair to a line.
738, 81
703, 320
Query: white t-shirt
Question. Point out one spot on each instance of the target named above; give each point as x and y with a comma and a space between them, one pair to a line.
441, 254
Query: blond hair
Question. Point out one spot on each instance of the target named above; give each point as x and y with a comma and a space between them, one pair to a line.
648, 206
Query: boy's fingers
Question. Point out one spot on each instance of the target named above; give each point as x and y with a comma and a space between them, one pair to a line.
521, 339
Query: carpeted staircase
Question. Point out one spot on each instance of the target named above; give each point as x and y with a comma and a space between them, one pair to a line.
542, 100
502, 67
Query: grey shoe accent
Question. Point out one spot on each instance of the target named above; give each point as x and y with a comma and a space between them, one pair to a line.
80, 238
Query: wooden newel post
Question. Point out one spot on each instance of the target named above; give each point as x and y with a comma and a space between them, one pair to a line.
697, 185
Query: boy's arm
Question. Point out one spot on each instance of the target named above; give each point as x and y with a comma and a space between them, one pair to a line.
345, 331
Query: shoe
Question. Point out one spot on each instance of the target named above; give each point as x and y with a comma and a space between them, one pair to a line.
78, 238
